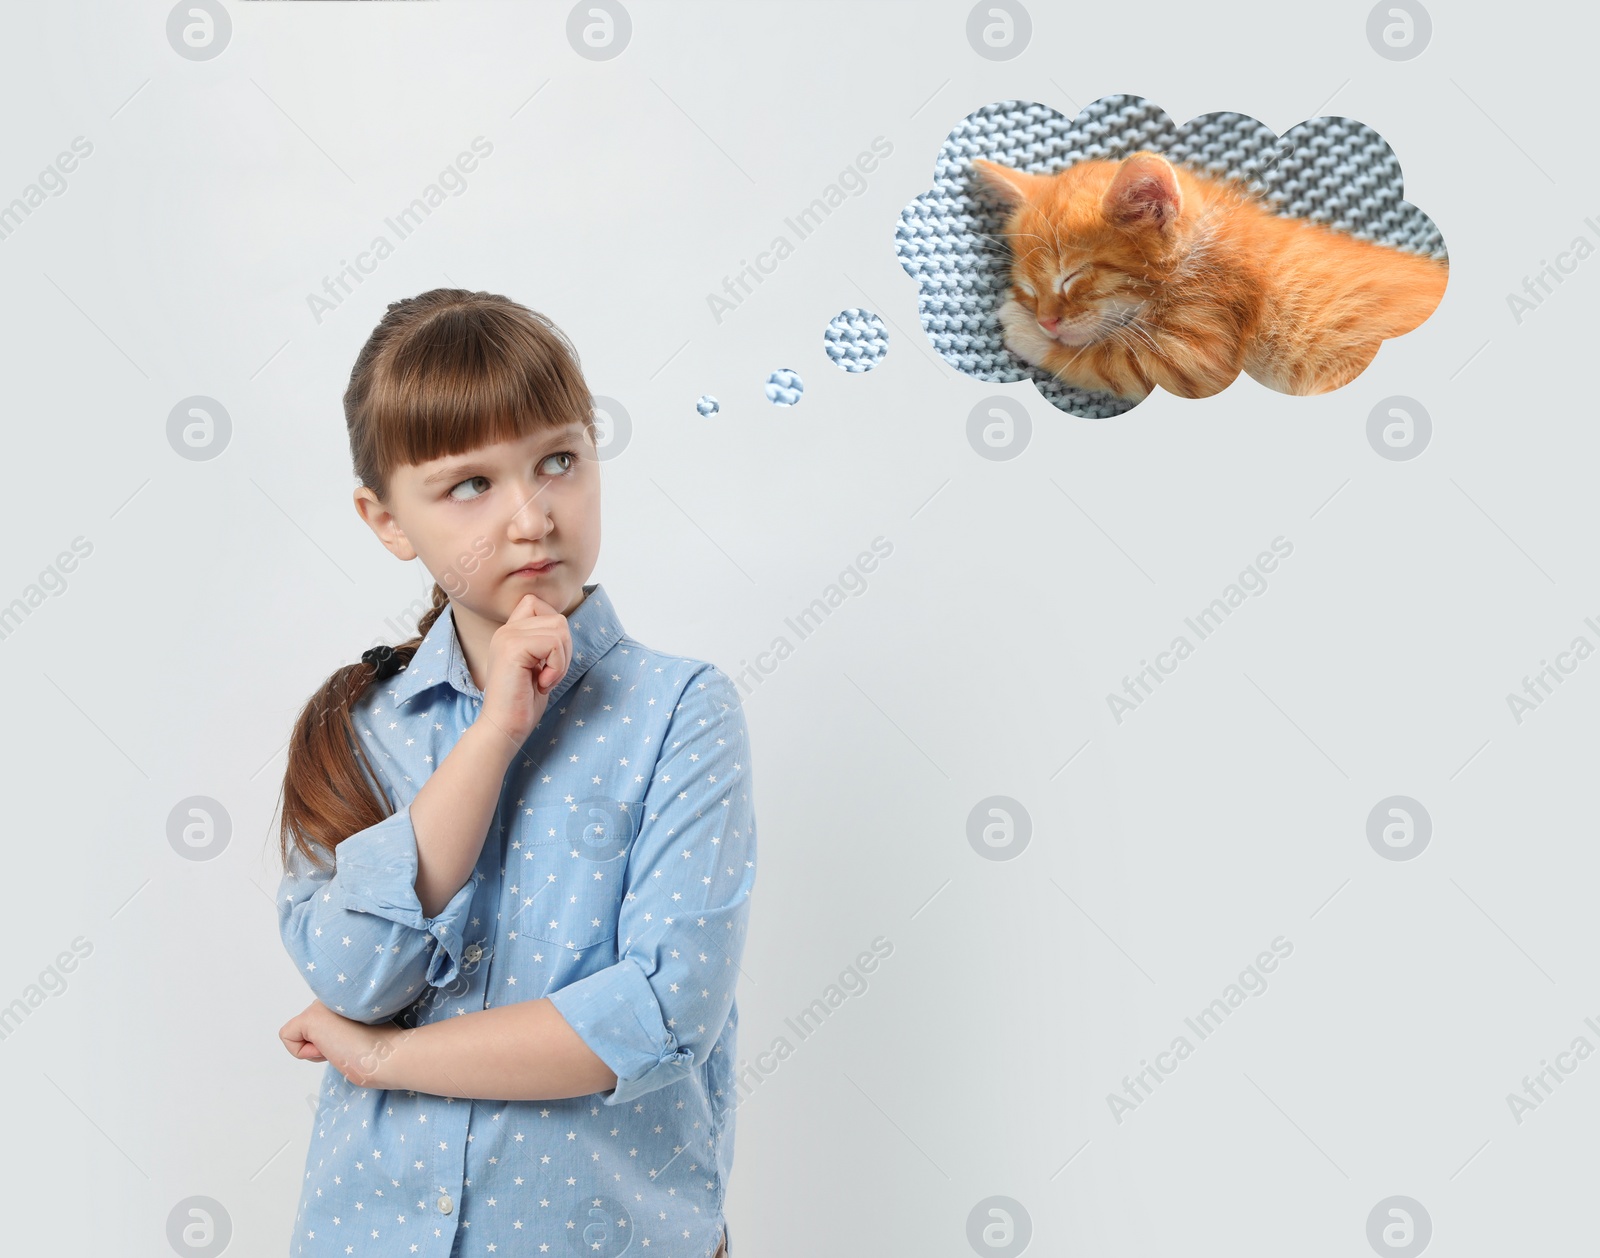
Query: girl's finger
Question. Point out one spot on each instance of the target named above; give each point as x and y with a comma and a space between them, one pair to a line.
527, 605
552, 668
555, 665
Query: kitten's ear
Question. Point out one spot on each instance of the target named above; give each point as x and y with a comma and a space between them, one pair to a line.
1143, 193
1011, 186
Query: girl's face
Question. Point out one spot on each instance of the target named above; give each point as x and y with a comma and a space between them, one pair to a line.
477, 519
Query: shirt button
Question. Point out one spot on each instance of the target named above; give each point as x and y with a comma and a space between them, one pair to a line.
474, 952
445, 1204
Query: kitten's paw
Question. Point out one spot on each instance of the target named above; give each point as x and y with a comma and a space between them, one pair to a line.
1021, 334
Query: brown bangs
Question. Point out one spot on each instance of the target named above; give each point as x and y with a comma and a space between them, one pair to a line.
462, 371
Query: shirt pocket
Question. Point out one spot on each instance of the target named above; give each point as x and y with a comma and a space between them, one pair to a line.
573, 892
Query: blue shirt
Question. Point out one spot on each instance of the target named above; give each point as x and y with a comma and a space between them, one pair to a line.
615, 879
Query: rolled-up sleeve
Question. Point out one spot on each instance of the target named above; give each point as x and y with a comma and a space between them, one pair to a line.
654, 1014
358, 932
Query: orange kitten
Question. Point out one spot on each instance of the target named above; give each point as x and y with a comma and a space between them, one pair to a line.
1127, 275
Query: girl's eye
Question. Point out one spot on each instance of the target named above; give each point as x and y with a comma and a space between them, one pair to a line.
565, 470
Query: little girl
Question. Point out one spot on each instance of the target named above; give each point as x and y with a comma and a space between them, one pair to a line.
518, 849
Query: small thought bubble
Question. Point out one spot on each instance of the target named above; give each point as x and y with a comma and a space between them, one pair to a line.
784, 387
707, 405
856, 340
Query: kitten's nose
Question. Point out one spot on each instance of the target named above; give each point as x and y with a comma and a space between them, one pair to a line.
1049, 325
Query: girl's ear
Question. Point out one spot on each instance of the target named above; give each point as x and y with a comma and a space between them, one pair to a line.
1011, 187
1143, 193
381, 521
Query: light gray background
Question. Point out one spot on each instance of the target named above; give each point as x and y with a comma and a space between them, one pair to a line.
1228, 810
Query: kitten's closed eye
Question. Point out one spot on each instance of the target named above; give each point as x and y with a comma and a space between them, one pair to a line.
1162, 276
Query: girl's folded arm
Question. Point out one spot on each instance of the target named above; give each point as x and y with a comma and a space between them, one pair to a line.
650, 1018
656, 1014
358, 932
518, 1052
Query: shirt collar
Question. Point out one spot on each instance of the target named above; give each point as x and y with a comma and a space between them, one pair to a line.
594, 627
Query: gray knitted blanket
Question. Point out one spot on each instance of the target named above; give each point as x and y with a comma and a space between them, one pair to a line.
1332, 170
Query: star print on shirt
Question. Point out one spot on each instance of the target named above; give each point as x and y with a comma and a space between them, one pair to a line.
615, 880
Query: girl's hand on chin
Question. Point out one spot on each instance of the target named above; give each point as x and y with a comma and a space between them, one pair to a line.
528, 657
356, 1050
